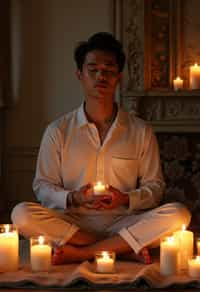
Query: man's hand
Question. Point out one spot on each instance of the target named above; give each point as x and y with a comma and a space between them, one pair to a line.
81, 197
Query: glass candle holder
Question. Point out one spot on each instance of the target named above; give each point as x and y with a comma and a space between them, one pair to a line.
194, 267
40, 251
9, 248
105, 262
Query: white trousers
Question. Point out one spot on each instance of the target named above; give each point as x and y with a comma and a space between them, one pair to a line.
138, 230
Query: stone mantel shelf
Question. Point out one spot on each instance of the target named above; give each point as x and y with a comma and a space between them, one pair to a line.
179, 93
168, 111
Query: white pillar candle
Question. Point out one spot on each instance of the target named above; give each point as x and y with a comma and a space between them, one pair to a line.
9, 248
194, 267
168, 256
40, 254
99, 188
195, 77
178, 83
185, 240
105, 262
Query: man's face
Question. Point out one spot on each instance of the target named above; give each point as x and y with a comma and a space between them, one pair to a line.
100, 75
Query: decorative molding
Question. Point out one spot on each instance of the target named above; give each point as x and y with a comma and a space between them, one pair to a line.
130, 29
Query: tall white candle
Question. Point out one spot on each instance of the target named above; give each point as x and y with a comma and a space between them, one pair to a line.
9, 248
195, 77
168, 256
194, 267
185, 240
178, 83
105, 262
99, 188
40, 254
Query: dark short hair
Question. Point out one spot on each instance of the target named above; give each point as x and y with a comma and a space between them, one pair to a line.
102, 41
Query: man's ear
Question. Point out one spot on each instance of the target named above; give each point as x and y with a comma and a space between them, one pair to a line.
78, 74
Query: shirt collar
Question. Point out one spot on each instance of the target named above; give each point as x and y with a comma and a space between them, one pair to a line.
81, 116
121, 119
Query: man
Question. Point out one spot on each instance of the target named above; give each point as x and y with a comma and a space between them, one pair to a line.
99, 142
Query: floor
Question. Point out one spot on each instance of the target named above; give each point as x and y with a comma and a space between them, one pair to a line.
81, 290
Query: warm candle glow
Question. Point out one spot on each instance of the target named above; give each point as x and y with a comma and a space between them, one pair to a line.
194, 267
185, 239
178, 83
41, 239
40, 254
7, 228
99, 188
183, 227
168, 256
9, 248
105, 262
195, 76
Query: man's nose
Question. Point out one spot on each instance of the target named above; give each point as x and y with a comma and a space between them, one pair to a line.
101, 75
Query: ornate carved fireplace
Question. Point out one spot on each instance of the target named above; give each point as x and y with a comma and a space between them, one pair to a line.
161, 40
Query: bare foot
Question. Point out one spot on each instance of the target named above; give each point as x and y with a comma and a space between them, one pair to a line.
68, 254
143, 256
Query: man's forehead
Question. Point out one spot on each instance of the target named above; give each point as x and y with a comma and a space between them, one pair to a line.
100, 57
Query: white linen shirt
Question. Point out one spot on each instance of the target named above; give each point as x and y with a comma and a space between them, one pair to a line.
71, 155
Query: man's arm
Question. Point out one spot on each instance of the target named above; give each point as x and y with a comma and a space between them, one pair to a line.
47, 184
151, 183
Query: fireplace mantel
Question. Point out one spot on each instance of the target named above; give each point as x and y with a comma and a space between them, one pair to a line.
161, 41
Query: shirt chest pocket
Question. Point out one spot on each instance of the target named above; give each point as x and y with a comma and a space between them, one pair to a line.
124, 171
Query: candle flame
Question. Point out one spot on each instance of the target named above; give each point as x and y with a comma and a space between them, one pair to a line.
99, 183
198, 258
183, 227
195, 65
178, 78
105, 255
170, 239
41, 239
7, 227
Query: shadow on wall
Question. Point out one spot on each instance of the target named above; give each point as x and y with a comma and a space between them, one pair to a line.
180, 156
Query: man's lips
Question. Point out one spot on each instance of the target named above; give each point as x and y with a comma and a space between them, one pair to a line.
101, 85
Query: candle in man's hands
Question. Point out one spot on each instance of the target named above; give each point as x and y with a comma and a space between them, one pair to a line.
105, 262
9, 248
40, 254
99, 188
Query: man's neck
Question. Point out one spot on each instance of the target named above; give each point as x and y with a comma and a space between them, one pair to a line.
100, 113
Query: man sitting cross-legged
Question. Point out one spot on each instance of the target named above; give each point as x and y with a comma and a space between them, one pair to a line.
99, 142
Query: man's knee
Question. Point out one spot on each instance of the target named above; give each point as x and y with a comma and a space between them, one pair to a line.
181, 214
21, 214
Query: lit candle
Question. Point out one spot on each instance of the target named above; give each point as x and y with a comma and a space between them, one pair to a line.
185, 240
194, 267
168, 256
198, 245
178, 83
9, 248
99, 188
40, 254
105, 262
195, 77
